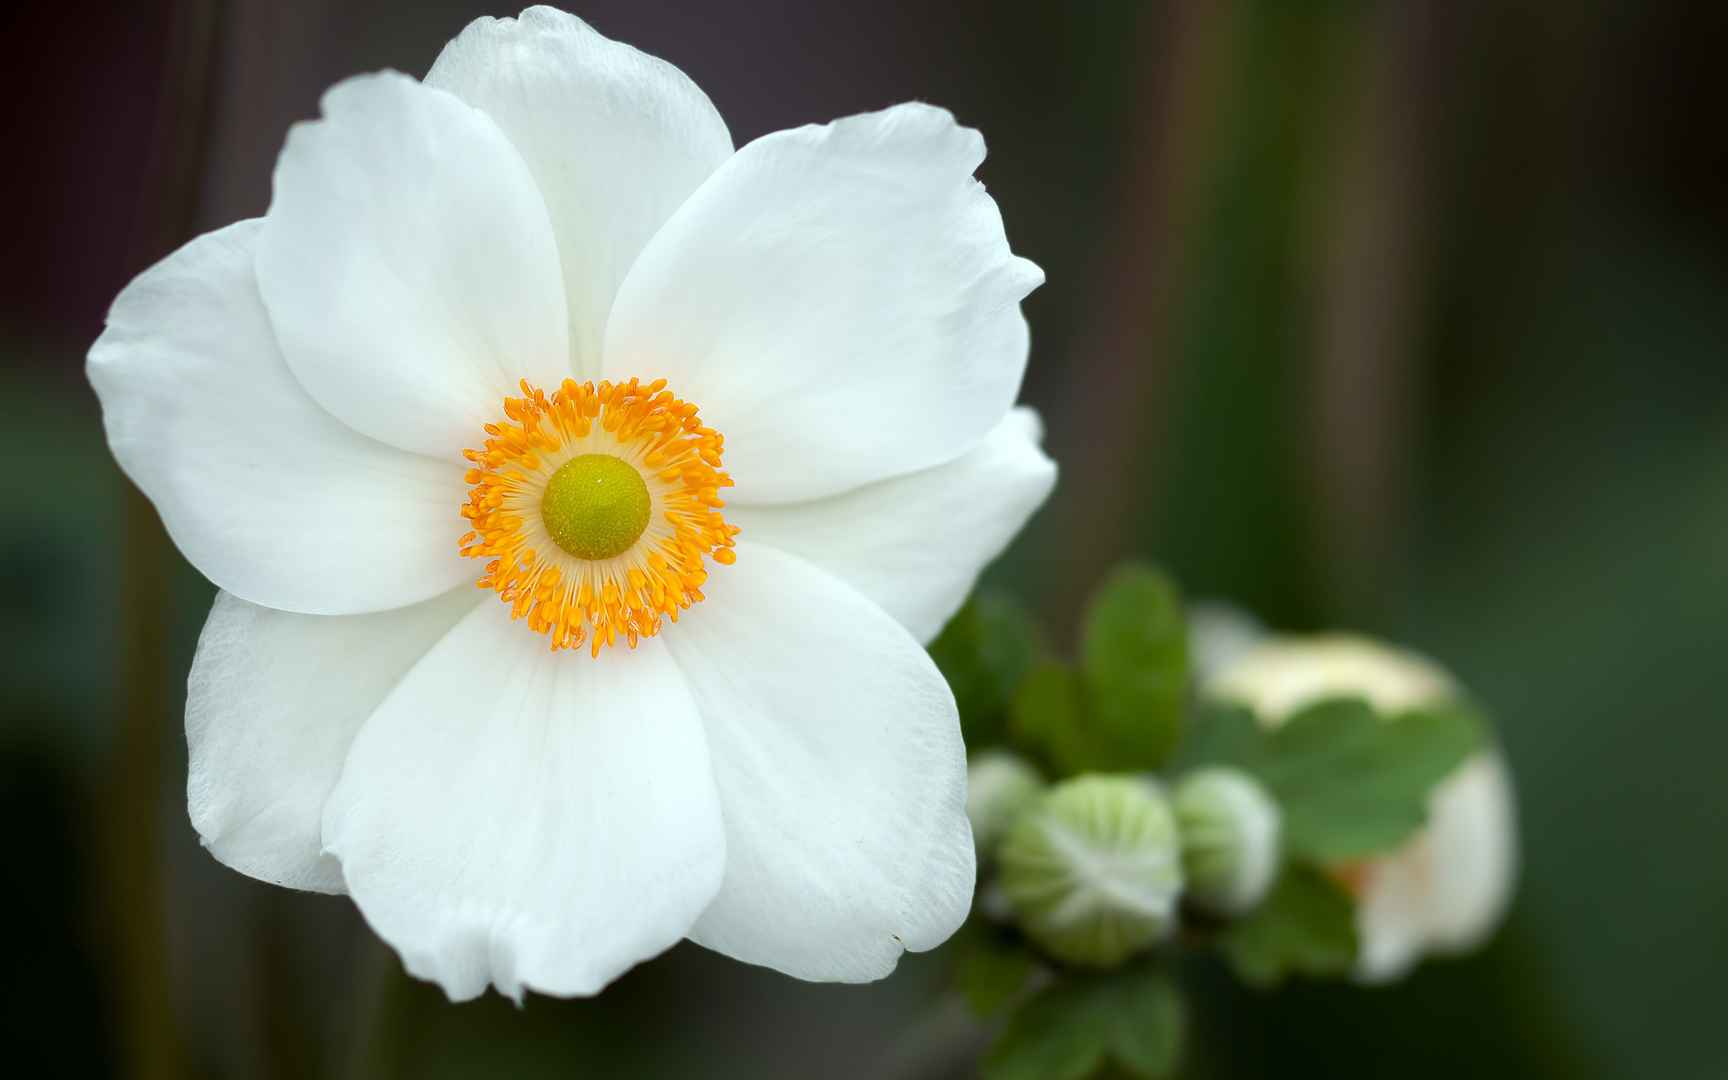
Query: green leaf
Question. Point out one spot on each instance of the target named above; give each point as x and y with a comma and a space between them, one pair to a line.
1134, 664
1350, 782
1221, 733
1048, 720
1131, 1019
989, 968
984, 652
1353, 784
1306, 926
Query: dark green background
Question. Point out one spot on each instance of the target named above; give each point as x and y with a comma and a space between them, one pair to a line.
1403, 317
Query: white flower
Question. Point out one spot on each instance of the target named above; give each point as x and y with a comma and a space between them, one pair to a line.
508, 259
1447, 888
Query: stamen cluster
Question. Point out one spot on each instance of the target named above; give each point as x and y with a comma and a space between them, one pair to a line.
574, 600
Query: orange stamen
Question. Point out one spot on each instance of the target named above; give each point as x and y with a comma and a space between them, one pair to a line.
574, 600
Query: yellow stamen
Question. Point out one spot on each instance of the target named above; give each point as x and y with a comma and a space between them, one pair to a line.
565, 560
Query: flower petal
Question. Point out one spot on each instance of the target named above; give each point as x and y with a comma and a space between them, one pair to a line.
272, 705
1392, 919
915, 544
840, 300
1447, 888
267, 494
409, 266
529, 818
1473, 835
842, 776
616, 139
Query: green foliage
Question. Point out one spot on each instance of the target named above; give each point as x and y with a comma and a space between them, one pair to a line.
1134, 665
1081, 1024
990, 968
1307, 926
1221, 733
1049, 718
1351, 783
984, 652
1121, 711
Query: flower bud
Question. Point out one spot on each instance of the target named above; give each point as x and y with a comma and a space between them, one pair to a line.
1093, 870
998, 786
1448, 887
1230, 839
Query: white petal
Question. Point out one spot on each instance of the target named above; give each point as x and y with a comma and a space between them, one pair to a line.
531, 819
1474, 843
1220, 634
409, 266
1391, 920
616, 138
915, 544
272, 705
1448, 887
839, 300
267, 494
841, 772
1280, 675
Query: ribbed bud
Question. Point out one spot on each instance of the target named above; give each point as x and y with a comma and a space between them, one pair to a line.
998, 786
1093, 869
1230, 839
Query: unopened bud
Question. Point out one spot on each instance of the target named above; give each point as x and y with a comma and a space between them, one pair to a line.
998, 786
1093, 870
1230, 839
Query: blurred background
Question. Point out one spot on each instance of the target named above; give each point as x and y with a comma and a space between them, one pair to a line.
1403, 317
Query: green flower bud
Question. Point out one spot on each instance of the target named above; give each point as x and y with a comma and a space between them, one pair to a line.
1230, 839
1092, 869
998, 786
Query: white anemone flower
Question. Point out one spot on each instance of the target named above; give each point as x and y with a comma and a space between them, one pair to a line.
1448, 887
467, 343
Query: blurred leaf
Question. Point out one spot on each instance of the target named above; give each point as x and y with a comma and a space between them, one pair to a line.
1082, 1023
1307, 926
989, 968
1220, 733
1350, 782
1353, 784
1134, 661
984, 652
1049, 721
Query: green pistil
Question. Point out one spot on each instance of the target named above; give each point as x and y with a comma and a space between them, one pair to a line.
595, 506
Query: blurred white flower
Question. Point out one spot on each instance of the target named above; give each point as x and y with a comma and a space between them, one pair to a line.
1447, 888
1219, 634
524, 258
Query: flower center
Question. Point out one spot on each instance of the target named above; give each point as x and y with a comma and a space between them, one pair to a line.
597, 507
